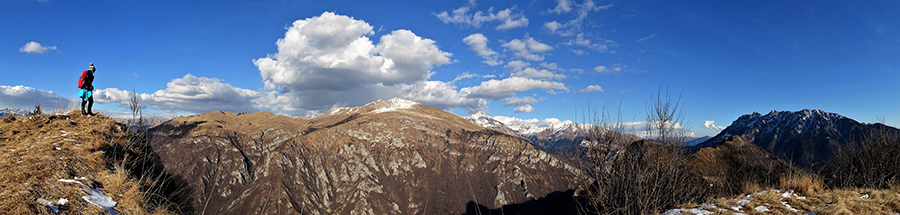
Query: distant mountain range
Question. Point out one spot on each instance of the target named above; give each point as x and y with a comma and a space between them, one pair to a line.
807, 138
697, 140
563, 138
15, 112
551, 135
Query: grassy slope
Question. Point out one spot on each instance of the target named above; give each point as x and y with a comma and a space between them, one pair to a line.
36, 151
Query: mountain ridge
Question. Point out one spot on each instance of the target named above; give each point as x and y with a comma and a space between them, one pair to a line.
808, 137
386, 157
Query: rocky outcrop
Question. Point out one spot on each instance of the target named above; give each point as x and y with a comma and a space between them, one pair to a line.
387, 157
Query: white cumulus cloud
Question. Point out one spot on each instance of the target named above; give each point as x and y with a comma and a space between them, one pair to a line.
550, 66
519, 68
25, 97
573, 30
709, 124
189, 94
562, 6
35, 48
517, 101
442, 95
508, 18
527, 48
329, 60
591, 88
499, 89
478, 43
552, 26
524, 109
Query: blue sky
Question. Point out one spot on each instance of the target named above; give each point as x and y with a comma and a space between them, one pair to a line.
525, 59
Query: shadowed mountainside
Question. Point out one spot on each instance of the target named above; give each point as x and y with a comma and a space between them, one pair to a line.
807, 138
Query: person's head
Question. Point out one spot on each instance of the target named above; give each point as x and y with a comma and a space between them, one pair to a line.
92, 68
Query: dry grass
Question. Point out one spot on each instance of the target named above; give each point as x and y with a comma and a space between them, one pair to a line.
802, 183
36, 151
806, 193
838, 201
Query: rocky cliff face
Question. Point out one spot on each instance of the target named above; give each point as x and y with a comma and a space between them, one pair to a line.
807, 138
387, 157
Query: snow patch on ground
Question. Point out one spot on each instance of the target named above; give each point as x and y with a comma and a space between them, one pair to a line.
789, 206
53, 206
96, 196
743, 201
396, 104
697, 210
347, 110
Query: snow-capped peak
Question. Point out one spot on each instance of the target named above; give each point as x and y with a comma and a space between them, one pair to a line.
480, 114
379, 106
534, 126
393, 105
484, 120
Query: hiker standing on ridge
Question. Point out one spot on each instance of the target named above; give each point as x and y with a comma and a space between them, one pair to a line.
86, 84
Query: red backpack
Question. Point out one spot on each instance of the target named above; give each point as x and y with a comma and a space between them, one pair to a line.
81, 80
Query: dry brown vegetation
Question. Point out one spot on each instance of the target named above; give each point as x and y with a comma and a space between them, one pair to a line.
873, 164
650, 177
857, 181
37, 150
644, 176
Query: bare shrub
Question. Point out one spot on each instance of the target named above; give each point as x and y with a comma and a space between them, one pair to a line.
872, 164
163, 192
645, 176
666, 118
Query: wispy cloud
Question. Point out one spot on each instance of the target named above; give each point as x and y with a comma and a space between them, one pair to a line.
516, 101
616, 68
651, 36
582, 41
591, 88
523, 69
524, 109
